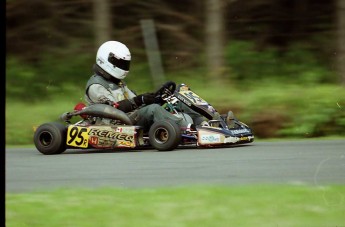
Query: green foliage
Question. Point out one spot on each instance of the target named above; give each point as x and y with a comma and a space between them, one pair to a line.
290, 110
46, 78
139, 78
67, 68
321, 112
294, 65
21, 80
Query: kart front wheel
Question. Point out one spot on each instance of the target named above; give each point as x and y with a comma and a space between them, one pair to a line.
50, 138
165, 135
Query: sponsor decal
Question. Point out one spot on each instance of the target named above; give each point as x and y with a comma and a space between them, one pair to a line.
211, 109
127, 130
101, 61
239, 131
124, 144
183, 99
194, 98
231, 139
93, 140
112, 138
211, 138
110, 134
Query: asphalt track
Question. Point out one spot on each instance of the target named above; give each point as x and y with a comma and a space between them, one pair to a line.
309, 162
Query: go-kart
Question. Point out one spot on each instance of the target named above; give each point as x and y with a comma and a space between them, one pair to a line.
105, 127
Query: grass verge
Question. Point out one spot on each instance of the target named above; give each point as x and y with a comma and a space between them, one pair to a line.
259, 205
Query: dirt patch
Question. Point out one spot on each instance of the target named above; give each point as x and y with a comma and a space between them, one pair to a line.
267, 124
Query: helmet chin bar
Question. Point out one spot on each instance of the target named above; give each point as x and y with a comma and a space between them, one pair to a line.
115, 73
120, 74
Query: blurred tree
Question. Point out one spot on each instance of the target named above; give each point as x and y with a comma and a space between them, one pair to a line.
215, 41
39, 27
102, 21
341, 39
178, 28
185, 31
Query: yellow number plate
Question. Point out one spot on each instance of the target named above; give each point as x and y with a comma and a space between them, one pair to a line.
77, 136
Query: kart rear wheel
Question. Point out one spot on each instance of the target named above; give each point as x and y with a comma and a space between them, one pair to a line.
165, 135
50, 138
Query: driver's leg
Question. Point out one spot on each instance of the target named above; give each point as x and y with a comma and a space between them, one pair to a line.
198, 119
149, 114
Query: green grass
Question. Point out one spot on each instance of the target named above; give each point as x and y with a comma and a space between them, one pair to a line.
259, 205
22, 118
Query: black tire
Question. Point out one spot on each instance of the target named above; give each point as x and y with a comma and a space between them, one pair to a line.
165, 135
50, 138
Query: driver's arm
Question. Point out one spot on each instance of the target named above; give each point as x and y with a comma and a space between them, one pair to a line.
128, 105
99, 94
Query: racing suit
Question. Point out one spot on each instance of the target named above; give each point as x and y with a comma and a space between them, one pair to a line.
140, 109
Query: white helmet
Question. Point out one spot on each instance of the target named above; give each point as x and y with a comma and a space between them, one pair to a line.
114, 58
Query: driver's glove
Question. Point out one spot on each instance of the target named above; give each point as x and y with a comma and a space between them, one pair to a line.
145, 99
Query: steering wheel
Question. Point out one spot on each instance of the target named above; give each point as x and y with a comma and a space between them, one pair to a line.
167, 88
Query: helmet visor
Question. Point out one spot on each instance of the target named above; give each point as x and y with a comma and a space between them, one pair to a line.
119, 63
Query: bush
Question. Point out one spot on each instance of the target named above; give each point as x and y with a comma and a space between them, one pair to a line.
55, 74
20, 80
296, 65
44, 79
321, 113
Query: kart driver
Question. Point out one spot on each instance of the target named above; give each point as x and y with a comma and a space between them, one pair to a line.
107, 86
